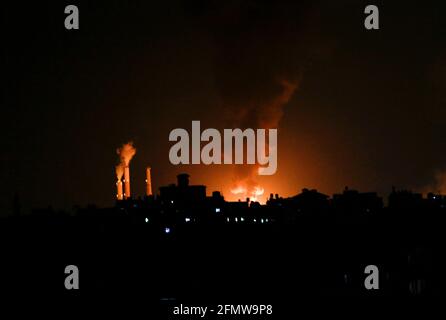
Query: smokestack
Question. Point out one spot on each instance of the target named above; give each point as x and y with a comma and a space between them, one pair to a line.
127, 182
126, 153
119, 194
148, 182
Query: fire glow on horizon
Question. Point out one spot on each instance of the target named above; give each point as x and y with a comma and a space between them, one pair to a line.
268, 115
253, 195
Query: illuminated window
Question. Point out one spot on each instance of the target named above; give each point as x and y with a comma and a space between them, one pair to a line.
217, 210
187, 219
147, 220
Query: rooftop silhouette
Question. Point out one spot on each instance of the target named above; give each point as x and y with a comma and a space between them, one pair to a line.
177, 239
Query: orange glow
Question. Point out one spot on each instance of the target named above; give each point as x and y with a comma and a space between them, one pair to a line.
254, 194
258, 191
119, 194
238, 190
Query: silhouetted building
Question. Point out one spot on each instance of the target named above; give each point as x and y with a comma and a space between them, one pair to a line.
351, 202
405, 200
183, 193
181, 218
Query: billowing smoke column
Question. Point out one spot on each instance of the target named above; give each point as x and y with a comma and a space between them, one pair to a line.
148, 182
265, 115
126, 153
259, 63
441, 182
439, 185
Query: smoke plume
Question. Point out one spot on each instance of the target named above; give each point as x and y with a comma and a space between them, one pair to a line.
126, 153
119, 171
260, 51
440, 182
266, 115
257, 73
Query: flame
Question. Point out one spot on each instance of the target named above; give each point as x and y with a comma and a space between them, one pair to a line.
254, 193
238, 190
258, 191
266, 114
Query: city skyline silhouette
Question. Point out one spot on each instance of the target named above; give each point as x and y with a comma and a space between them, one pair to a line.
118, 180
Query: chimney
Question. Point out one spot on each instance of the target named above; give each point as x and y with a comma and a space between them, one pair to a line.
119, 195
126, 182
148, 182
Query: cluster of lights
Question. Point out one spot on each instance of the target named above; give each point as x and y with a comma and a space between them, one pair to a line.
236, 219
242, 219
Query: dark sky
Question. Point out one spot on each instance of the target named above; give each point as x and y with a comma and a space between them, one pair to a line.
369, 111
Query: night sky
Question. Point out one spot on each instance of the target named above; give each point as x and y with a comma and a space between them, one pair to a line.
369, 111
